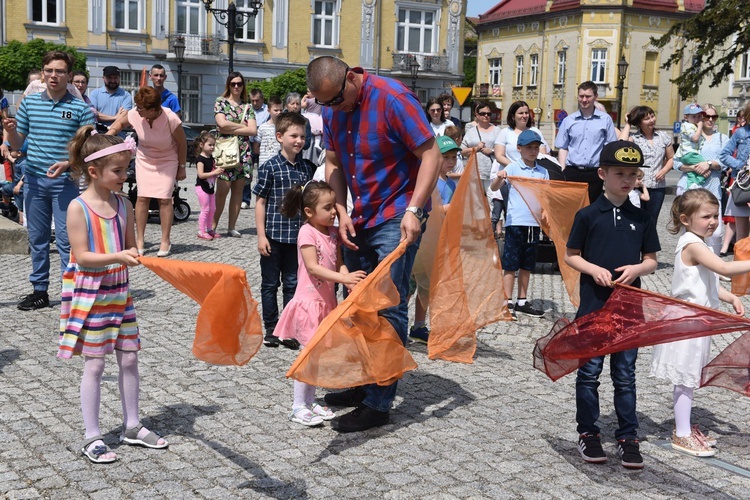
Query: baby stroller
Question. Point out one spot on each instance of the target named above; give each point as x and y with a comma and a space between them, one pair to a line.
181, 207
546, 251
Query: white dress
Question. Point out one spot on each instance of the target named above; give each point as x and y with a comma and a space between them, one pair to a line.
681, 362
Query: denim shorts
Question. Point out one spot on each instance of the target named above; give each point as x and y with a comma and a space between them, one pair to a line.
519, 251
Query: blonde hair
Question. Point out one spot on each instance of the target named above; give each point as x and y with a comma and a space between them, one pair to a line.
85, 144
687, 204
640, 174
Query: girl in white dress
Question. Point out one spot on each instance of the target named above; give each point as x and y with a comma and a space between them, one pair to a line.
695, 280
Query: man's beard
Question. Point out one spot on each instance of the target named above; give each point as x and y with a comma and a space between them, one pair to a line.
112, 85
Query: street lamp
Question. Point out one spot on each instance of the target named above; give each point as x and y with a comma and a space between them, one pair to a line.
179, 54
622, 71
414, 67
232, 19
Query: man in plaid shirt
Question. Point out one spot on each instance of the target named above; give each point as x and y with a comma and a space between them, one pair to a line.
378, 144
277, 234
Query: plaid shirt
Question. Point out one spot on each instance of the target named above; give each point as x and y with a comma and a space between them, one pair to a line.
375, 145
275, 177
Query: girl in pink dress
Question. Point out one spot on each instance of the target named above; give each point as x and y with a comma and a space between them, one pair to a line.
320, 266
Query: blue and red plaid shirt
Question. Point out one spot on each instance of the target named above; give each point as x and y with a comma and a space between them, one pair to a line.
375, 145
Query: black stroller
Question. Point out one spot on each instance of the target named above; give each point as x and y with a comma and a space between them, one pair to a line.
181, 207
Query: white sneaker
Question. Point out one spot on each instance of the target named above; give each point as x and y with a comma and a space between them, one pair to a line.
244, 205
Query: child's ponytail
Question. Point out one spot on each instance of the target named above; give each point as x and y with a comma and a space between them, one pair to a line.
199, 141
292, 204
85, 144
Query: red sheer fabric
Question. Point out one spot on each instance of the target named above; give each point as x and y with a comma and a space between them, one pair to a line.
631, 318
355, 346
220, 338
554, 205
731, 368
466, 286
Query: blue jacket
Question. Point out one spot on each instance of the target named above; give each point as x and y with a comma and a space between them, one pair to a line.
740, 142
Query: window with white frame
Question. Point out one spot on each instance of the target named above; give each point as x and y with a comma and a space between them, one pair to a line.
250, 31
599, 65
496, 70
128, 15
519, 71
130, 81
190, 100
745, 66
189, 16
416, 31
47, 11
325, 24
533, 69
562, 62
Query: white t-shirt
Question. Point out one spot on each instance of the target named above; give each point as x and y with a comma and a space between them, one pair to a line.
508, 138
269, 146
440, 129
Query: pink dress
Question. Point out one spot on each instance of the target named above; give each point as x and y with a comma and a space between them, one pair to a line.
156, 159
314, 298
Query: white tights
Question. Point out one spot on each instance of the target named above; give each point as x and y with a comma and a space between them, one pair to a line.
304, 394
683, 406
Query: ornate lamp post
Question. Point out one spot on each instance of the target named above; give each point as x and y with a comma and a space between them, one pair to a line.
179, 54
232, 19
622, 72
414, 67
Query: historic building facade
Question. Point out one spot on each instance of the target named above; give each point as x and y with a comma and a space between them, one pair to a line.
384, 37
540, 50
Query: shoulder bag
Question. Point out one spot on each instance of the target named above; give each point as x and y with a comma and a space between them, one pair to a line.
227, 149
741, 187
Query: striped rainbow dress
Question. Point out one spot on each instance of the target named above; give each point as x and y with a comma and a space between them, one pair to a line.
97, 314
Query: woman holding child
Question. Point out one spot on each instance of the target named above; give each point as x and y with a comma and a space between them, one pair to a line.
658, 155
234, 117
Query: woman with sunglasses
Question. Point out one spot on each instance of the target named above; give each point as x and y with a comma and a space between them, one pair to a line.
482, 137
234, 116
734, 154
658, 154
436, 116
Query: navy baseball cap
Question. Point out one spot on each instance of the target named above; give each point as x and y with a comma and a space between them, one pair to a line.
621, 154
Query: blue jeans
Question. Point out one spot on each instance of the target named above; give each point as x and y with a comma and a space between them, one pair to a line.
656, 200
375, 244
278, 269
622, 371
46, 198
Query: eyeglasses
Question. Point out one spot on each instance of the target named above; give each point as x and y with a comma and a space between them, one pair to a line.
58, 72
435, 110
484, 113
236, 84
339, 97
710, 117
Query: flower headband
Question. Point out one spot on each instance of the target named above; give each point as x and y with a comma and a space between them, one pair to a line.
128, 145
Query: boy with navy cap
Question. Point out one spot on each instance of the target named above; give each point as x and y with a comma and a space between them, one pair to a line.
611, 241
521, 229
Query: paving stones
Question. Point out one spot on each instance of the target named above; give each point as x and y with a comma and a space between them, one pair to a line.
494, 429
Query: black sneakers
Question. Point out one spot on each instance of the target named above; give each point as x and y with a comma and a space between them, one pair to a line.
34, 301
349, 397
528, 310
590, 448
360, 419
630, 454
271, 340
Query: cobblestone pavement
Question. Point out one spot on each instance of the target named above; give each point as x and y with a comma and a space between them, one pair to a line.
496, 428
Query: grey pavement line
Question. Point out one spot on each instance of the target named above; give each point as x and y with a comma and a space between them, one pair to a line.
716, 462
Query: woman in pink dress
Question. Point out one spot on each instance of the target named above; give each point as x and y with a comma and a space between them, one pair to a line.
160, 161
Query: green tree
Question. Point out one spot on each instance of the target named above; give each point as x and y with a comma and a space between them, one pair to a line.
17, 59
280, 86
708, 44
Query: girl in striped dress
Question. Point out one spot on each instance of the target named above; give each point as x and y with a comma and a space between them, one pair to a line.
97, 315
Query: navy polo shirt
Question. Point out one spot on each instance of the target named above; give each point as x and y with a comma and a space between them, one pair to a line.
610, 237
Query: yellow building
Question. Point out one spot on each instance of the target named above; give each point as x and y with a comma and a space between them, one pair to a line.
385, 37
539, 51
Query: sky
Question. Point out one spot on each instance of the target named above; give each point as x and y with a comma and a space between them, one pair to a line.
476, 7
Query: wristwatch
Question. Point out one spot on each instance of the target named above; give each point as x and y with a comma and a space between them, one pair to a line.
418, 213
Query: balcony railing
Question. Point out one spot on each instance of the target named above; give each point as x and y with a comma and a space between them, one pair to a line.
197, 45
603, 89
435, 64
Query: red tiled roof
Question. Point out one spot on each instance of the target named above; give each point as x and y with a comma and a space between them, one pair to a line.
513, 8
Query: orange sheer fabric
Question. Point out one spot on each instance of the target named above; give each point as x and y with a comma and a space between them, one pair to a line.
741, 282
228, 329
355, 346
554, 205
466, 285
631, 318
731, 368
425, 258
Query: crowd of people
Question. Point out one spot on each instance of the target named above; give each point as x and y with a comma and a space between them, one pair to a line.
336, 192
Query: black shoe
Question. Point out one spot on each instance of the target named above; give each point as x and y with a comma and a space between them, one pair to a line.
360, 419
590, 448
528, 310
271, 340
34, 301
513, 315
349, 397
722, 254
630, 454
292, 344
